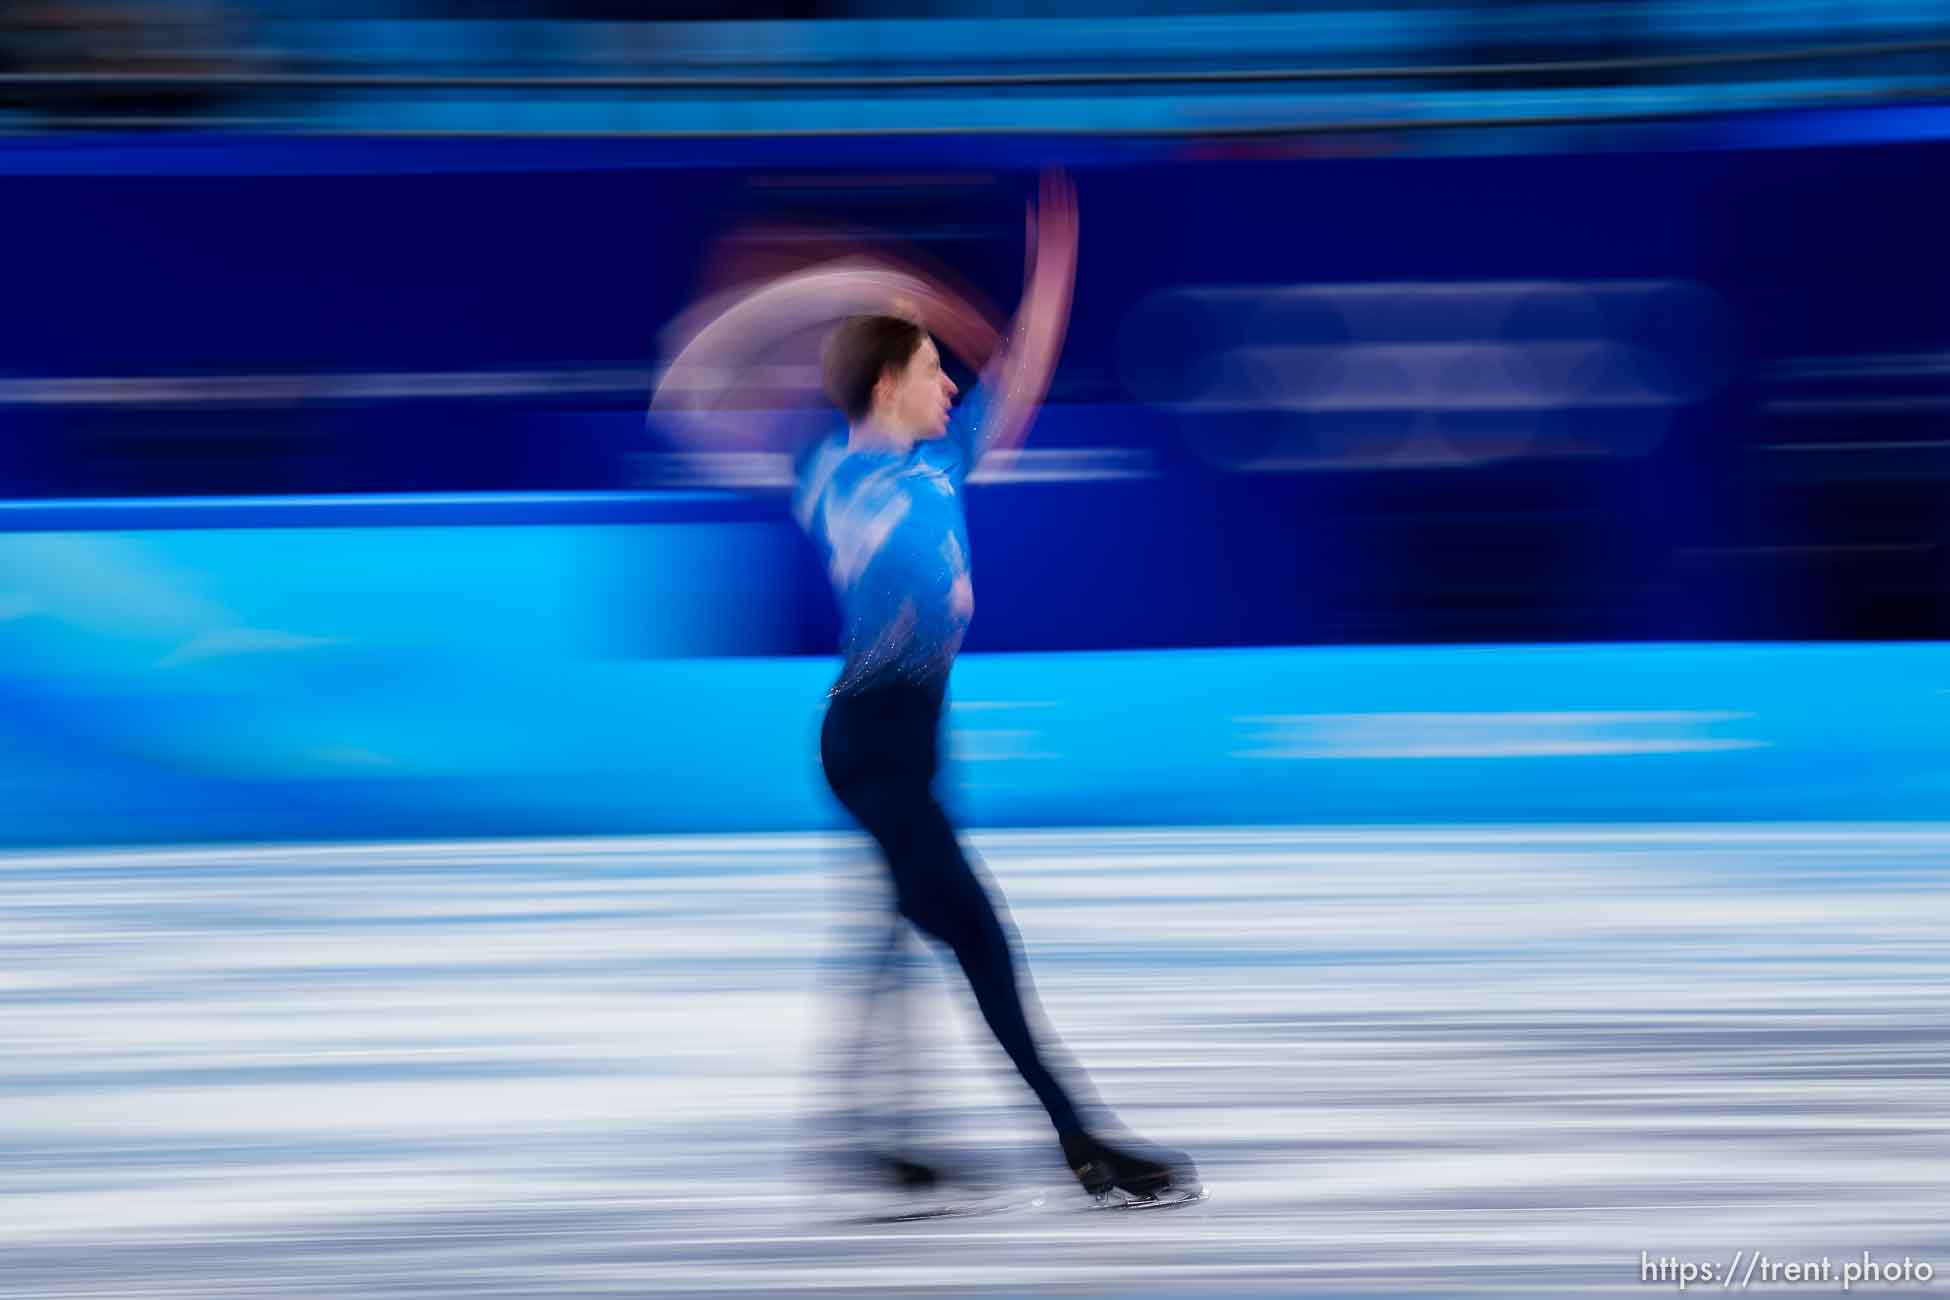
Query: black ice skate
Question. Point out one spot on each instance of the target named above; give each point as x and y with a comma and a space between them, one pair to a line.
1118, 1178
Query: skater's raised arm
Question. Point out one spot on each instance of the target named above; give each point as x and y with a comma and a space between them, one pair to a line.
1016, 381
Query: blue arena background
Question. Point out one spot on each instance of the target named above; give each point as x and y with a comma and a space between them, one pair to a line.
1610, 581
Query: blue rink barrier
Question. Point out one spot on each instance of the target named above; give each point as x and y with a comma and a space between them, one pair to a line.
303, 738
304, 668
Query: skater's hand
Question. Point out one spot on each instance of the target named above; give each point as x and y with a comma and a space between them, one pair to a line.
1022, 374
1051, 234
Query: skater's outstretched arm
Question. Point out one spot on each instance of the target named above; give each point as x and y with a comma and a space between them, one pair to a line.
1016, 380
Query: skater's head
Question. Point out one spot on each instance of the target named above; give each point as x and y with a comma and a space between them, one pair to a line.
884, 372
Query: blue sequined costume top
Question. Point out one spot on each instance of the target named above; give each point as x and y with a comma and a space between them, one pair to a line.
890, 528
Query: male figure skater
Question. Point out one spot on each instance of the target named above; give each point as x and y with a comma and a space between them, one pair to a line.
881, 499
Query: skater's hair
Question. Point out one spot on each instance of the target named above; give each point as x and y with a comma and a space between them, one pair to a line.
858, 352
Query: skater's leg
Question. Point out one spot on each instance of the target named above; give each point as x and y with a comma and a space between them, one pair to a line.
879, 754
882, 1034
940, 893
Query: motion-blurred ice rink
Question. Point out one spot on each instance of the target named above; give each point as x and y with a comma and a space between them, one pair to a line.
1414, 1061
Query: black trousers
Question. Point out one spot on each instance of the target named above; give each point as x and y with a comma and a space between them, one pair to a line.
880, 750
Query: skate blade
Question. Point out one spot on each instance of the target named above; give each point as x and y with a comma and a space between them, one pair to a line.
1119, 1199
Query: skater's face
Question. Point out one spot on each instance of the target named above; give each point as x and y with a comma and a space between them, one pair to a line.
914, 400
